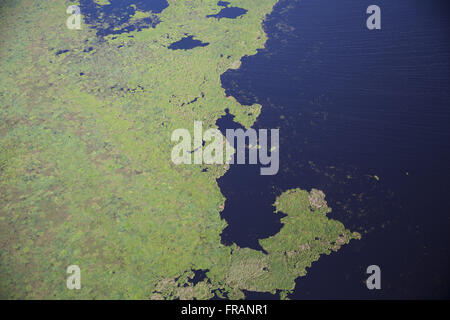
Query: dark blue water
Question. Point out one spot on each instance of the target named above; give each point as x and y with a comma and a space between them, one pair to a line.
228, 12
351, 104
114, 18
187, 43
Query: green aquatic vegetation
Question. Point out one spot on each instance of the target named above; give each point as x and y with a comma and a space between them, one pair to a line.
85, 171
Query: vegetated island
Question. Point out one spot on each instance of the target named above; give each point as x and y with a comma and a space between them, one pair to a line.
86, 176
